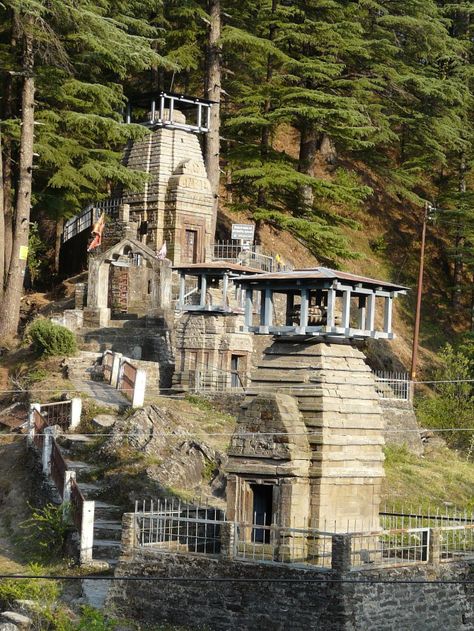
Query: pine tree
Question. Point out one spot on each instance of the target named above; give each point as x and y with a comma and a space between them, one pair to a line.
81, 53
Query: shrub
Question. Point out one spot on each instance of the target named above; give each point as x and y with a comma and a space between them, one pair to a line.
451, 408
51, 339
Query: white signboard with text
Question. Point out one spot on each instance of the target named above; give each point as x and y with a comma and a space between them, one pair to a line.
243, 232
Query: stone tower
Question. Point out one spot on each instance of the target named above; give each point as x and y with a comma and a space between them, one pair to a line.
176, 203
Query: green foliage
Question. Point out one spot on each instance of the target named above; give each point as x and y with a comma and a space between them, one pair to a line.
43, 534
51, 339
94, 620
200, 402
33, 589
452, 404
36, 261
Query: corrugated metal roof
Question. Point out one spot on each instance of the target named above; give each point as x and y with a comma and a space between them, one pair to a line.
323, 273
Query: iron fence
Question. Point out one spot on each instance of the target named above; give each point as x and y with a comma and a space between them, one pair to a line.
39, 423
58, 413
393, 385
390, 547
248, 255
177, 527
215, 380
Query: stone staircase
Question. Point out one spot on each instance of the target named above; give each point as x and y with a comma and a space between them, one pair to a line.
108, 516
83, 366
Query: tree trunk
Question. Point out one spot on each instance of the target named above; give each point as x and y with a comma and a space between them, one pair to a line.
2, 225
57, 243
213, 89
459, 242
266, 136
10, 308
310, 143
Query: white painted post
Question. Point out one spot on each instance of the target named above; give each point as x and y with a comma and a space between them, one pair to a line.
346, 310
387, 316
225, 283
362, 316
76, 409
370, 317
115, 370
31, 426
304, 312
87, 532
182, 286
331, 306
202, 302
47, 450
248, 307
139, 389
268, 308
69, 476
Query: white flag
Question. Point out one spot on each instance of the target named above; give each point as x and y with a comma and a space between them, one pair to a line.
162, 251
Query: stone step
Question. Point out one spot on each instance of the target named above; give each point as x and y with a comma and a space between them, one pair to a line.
90, 489
79, 466
95, 592
106, 549
108, 529
72, 442
104, 510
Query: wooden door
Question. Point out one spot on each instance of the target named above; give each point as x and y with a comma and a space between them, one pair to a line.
190, 246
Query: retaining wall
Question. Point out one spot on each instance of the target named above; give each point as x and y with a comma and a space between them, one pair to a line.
328, 604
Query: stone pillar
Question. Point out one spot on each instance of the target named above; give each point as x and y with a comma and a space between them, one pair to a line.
129, 534
87, 532
115, 371
31, 426
139, 389
76, 409
341, 553
80, 295
124, 213
47, 450
228, 539
434, 546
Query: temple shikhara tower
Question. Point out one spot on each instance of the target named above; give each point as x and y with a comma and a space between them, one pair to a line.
307, 451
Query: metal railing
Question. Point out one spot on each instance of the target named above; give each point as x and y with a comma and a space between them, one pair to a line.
58, 413
171, 526
39, 423
80, 222
393, 385
215, 380
177, 527
249, 256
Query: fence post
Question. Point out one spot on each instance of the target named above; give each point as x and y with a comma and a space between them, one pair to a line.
115, 370
69, 476
31, 424
129, 533
228, 539
76, 409
139, 389
434, 546
341, 553
87, 532
47, 450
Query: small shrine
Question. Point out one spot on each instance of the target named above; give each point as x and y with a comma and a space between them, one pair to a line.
212, 351
319, 302
307, 451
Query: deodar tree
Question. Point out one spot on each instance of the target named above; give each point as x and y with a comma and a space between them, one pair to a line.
63, 67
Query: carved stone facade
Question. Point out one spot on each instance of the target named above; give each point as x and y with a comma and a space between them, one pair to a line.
316, 445
176, 204
211, 352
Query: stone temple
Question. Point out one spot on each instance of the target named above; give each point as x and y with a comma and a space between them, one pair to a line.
307, 451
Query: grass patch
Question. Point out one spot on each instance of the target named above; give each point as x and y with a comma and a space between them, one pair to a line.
443, 478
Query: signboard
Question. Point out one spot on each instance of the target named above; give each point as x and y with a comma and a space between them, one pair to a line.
243, 231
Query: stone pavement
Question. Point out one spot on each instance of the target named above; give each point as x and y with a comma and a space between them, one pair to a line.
102, 393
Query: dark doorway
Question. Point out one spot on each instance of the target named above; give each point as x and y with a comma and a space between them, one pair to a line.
234, 371
262, 511
190, 247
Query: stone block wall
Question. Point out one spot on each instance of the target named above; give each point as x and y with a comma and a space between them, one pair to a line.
400, 425
224, 595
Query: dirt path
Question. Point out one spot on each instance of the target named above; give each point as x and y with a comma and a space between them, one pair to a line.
14, 493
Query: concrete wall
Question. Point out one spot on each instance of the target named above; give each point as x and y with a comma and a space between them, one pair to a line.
254, 600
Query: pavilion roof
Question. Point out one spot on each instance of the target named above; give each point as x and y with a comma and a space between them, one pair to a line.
218, 266
322, 274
